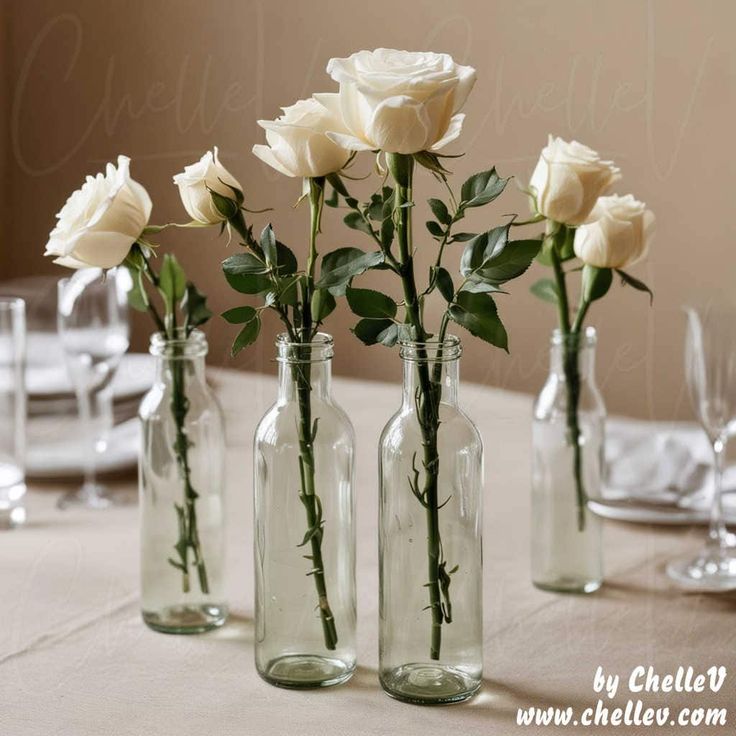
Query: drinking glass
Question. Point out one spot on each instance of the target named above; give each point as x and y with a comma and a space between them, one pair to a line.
710, 366
12, 411
93, 329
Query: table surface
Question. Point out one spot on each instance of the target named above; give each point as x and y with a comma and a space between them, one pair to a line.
76, 659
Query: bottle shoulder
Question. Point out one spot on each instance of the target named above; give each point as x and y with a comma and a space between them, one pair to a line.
552, 400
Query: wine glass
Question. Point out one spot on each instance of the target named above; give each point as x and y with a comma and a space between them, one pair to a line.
710, 366
93, 329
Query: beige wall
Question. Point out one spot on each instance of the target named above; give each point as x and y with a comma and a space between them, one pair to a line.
650, 84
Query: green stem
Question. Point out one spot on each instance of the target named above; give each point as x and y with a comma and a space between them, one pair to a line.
301, 375
179, 404
571, 369
428, 398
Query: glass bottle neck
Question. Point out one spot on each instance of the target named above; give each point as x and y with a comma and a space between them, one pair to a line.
419, 374
193, 368
184, 354
293, 375
580, 349
304, 365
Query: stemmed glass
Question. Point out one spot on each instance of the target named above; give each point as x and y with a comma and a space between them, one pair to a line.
93, 329
710, 365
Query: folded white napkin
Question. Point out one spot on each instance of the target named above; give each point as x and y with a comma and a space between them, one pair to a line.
661, 462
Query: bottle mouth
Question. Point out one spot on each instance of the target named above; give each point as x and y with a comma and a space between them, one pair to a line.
431, 351
587, 339
180, 346
317, 350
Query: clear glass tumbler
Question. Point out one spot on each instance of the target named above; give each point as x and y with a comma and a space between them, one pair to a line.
12, 411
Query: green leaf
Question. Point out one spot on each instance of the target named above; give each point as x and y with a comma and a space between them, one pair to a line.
481, 188
268, 246
475, 286
137, 296
247, 336
629, 280
444, 283
239, 315
286, 262
172, 281
545, 289
439, 209
373, 331
246, 273
194, 306
387, 232
341, 265
435, 228
371, 304
491, 258
477, 313
596, 282
287, 289
355, 221
375, 208
463, 237
323, 303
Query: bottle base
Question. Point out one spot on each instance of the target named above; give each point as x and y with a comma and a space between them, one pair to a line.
302, 671
186, 619
429, 684
568, 585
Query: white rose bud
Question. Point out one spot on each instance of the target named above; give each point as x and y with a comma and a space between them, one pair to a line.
568, 180
100, 222
198, 180
297, 140
618, 233
400, 101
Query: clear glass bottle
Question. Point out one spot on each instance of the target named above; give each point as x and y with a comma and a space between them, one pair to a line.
305, 604
182, 488
566, 545
430, 531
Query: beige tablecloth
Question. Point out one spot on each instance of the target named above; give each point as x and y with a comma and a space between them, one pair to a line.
76, 660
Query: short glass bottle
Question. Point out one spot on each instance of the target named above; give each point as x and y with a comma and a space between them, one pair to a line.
566, 538
304, 545
181, 482
430, 531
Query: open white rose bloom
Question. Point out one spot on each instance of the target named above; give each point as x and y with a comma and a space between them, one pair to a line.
618, 233
297, 140
400, 101
568, 179
101, 221
198, 180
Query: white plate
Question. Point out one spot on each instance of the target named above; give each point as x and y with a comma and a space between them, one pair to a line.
640, 511
56, 450
46, 380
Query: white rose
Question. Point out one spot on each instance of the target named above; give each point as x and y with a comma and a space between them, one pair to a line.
618, 233
196, 182
101, 221
568, 180
297, 144
400, 101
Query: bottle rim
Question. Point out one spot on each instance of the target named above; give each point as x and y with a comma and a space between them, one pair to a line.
587, 339
431, 351
321, 348
181, 346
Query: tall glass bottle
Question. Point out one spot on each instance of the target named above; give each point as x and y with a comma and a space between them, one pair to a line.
304, 525
181, 474
430, 527
566, 545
